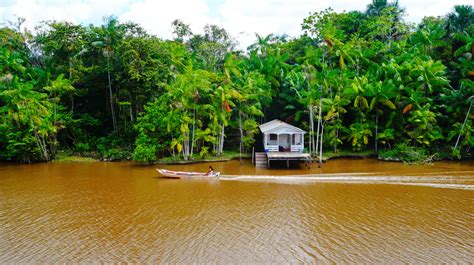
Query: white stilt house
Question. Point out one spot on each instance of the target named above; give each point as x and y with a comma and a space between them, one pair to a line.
279, 136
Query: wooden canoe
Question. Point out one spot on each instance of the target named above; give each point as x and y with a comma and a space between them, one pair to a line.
184, 174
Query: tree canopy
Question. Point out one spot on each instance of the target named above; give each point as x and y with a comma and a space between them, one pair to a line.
354, 80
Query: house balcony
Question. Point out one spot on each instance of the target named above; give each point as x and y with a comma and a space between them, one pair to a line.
278, 148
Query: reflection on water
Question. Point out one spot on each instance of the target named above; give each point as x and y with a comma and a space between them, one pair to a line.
112, 212
336, 166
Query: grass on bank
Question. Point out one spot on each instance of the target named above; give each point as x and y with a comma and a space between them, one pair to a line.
348, 153
67, 156
400, 153
226, 155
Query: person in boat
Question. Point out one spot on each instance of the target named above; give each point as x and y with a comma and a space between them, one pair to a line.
210, 172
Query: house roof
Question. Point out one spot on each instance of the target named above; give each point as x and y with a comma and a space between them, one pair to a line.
277, 126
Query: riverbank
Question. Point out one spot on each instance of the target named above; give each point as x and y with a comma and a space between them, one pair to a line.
64, 156
226, 156
347, 154
67, 156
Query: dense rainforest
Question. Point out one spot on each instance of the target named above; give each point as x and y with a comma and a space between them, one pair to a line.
355, 81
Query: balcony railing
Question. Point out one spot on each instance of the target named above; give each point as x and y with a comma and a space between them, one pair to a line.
275, 148
297, 148
271, 148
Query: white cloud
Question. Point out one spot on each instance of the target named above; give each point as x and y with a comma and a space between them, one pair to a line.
242, 18
417, 10
85, 11
156, 15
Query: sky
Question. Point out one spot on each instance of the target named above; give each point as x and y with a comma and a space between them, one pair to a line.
242, 18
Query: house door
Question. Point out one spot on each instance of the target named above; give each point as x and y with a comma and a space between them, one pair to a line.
284, 140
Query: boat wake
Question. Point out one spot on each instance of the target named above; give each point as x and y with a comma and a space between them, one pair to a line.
447, 182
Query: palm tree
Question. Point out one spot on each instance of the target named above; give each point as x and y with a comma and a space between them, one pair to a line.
471, 99
459, 20
359, 134
334, 108
468, 44
377, 6
429, 36
253, 88
110, 33
223, 98
425, 125
381, 93
302, 83
356, 91
428, 75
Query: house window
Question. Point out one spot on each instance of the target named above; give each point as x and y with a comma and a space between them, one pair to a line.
296, 139
273, 137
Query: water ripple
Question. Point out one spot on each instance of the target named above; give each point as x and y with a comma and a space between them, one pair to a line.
114, 214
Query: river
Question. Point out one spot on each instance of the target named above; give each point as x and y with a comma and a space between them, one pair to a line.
348, 211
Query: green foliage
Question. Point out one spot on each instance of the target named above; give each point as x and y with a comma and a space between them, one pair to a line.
406, 153
358, 135
365, 77
464, 133
28, 122
111, 149
82, 148
424, 126
387, 136
204, 153
146, 149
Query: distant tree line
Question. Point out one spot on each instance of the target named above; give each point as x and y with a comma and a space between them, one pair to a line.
354, 80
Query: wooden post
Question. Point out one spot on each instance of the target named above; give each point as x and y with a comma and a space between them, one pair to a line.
278, 142
253, 155
264, 142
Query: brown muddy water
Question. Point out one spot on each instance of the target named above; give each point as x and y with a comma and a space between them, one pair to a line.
350, 211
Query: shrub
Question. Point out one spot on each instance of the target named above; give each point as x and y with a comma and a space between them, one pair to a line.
404, 152
145, 150
81, 148
110, 148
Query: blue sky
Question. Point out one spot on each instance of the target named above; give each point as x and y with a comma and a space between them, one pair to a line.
242, 18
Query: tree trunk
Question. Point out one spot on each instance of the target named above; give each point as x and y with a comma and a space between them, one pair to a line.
70, 76
462, 127
319, 125
321, 146
241, 135
188, 145
313, 142
171, 149
192, 137
311, 130
185, 147
41, 146
221, 146
376, 127
53, 146
72, 103
111, 102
